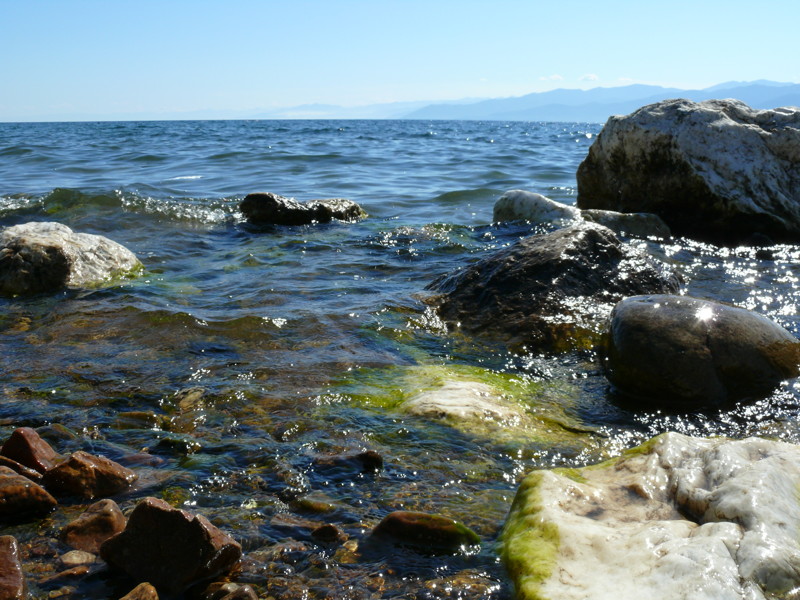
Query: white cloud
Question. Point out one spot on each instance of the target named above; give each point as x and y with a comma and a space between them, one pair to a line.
552, 78
589, 77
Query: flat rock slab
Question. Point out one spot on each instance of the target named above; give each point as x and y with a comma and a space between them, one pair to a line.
683, 352
716, 171
170, 548
676, 518
549, 292
266, 208
45, 257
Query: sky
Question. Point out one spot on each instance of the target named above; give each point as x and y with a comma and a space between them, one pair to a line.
99, 59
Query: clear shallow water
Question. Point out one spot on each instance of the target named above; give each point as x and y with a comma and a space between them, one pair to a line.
299, 335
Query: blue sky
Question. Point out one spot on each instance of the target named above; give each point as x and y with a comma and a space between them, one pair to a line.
97, 59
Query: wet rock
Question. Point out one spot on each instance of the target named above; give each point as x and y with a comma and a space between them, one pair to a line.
269, 208
429, 533
12, 580
228, 591
351, 463
143, 591
88, 476
75, 558
519, 205
549, 292
678, 517
26, 447
21, 469
329, 534
101, 521
67, 575
22, 498
170, 548
46, 257
716, 171
685, 352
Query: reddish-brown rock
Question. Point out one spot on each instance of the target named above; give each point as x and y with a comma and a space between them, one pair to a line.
20, 497
88, 476
12, 580
101, 521
143, 591
170, 548
26, 447
31, 474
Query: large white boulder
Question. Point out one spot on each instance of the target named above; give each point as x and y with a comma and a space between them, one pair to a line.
44, 257
716, 170
676, 518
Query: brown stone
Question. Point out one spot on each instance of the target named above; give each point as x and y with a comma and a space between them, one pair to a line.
143, 591
88, 476
31, 474
12, 580
170, 548
329, 534
221, 590
26, 447
430, 533
101, 521
20, 497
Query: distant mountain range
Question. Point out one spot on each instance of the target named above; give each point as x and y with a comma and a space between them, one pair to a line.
592, 106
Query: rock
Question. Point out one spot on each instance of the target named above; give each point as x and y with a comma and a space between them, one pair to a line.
101, 521
170, 548
12, 580
75, 558
549, 292
228, 591
21, 498
678, 517
716, 171
434, 534
349, 464
21, 469
463, 399
678, 351
143, 591
519, 205
46, 257
26, 447
269, 208
329, 534
88, 476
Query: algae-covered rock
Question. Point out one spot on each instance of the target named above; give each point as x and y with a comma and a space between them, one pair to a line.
430, 533
675, 518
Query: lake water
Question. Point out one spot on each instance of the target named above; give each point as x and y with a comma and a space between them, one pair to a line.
295, 342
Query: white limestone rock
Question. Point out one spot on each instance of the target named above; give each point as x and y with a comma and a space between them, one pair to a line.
716, 171
44, 257
619, 530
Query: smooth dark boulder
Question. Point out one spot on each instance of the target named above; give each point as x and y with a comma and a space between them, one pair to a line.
26, 447
677, 351
430, 533
88, 476
549, 292
46, 257
21, 498
101, 521
271, 209
12, 580
715, 171
170, 548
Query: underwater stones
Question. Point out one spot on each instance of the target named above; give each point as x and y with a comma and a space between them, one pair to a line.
143, 591
271, 209
716, 171
463, 399
678, 517
349, 464
170, 548
22, 498
88, 476
430, 533
46, 257
549, 292
519, 205
679, 351
99, 522
27, 448
12, 580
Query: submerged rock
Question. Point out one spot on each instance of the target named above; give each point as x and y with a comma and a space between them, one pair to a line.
101, 521
549, 292
680, 351
12, 580
519, 205
170, 548
716, 171
433, 534
272, 209
27, 448
46, 257
143, 591
88, 476
678, 517
21, 498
